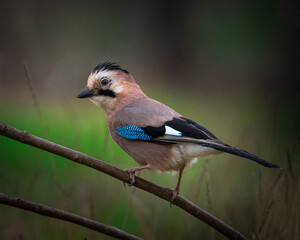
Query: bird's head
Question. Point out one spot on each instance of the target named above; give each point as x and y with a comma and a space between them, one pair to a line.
109, 85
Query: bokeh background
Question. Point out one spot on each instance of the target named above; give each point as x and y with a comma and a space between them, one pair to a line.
232, 66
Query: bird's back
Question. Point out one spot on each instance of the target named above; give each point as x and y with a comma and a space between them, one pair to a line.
143, 112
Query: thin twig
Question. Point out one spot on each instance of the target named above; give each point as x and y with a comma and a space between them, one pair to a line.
290, 152
34, 96
200, 180
266, 216
67, 216
208, 191
38, 111
276, 181
31, 89
164, 193
254, 235
260, 190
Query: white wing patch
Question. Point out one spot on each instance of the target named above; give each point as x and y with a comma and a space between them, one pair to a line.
172, 131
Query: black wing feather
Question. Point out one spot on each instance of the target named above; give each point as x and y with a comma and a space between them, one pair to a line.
154, 132
205, 130
189, 128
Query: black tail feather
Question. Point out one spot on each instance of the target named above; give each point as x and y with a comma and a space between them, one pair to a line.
244, 154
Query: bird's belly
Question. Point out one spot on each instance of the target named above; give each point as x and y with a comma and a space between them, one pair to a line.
188, 150
159, 157
186, 154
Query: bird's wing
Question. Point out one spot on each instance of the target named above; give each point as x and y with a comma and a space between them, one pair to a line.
177, 130
183, 130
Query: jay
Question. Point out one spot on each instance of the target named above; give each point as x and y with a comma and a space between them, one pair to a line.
154, 135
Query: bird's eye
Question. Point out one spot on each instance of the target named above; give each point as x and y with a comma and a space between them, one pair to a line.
104, 81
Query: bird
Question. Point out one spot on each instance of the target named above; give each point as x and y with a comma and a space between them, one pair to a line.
153, 134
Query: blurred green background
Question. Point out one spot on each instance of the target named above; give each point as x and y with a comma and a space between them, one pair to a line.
230, 66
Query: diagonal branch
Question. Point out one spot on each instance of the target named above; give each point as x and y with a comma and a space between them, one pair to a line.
67, 216
164, 193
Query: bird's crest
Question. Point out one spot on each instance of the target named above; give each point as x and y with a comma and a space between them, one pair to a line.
108, 66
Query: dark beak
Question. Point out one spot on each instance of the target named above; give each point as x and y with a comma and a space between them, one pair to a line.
86, 93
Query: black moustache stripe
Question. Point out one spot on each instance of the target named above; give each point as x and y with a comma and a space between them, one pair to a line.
107, 92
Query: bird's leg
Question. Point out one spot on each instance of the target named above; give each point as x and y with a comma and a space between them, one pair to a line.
132, 171
176, 189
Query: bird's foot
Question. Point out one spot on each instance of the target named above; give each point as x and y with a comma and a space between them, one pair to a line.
132, 176
175, 192
132, 171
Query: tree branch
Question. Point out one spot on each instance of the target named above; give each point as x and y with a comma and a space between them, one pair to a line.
67, 216
164, 193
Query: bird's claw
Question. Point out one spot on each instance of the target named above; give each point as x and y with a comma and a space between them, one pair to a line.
174, 196
132, 177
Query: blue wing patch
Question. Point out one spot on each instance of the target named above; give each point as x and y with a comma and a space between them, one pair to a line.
133, 132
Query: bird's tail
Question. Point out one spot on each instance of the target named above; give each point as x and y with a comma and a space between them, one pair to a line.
244, 154
217, 145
